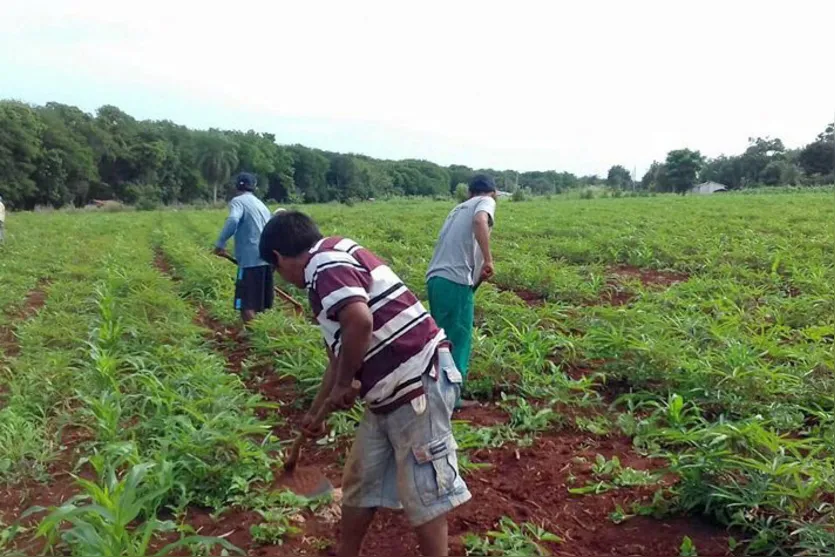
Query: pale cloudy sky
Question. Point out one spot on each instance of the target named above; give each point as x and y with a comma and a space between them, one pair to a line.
574, 85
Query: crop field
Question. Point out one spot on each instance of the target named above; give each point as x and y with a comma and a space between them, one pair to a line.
657, 377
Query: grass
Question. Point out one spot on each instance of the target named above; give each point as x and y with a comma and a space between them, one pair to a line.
727, 374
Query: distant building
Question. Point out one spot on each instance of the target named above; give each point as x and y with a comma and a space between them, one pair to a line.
500, 193
707, 188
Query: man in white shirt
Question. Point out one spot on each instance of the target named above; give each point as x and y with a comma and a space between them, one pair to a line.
461, 261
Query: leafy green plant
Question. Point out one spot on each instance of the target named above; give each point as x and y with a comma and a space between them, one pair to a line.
511, 539
466, 466
278, 509
525, 417
274, 529
341, 424
605, 468
596, 425
687, 548
117, 516
629, 477
619, 516
611, 475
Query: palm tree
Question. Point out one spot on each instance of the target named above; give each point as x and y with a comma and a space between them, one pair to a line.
219, 157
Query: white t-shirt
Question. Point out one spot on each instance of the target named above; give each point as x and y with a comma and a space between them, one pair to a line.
2, 212
457, 256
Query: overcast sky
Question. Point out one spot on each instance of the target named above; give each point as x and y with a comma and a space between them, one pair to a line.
569, 85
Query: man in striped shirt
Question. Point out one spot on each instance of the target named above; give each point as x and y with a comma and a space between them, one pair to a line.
378, 332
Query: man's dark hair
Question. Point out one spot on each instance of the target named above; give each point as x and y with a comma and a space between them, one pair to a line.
482, 183
290, 233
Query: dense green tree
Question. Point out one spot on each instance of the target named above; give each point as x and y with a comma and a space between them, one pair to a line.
21, 152
547, 182
590, 180
655, 178
619, 178
310, 173
682, 167
724, 170
218, 159
817, 159
68, 167
459, 174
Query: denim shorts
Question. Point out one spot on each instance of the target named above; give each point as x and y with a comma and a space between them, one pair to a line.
407, 458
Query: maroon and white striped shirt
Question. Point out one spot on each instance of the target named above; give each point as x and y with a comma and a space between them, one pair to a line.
405, 336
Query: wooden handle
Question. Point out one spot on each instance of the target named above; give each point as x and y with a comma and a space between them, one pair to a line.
296, 449
321, 414
288, 298
229, 257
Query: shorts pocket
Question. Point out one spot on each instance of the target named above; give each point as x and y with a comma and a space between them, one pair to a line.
447, 364
436, 469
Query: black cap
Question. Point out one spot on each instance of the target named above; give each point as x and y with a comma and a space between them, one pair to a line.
482, 183
246, 181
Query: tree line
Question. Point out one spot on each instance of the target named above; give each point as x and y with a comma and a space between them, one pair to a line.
766, 162
59, 155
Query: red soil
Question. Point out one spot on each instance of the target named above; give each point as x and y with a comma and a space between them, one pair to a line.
615, 294
533, 299
15, 499
648, 277
35, 300
525, 483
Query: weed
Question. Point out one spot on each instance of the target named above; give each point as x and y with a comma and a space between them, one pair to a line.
511, 539
596, 425
687, 548
611, 475
619, 516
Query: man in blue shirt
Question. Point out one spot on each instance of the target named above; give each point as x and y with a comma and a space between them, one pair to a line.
246, 220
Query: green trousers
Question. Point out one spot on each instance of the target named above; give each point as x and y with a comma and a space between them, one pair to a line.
452, 306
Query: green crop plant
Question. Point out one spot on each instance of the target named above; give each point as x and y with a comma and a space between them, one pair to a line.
716, 354
526, 418
511, 539
117, 515
610, 474
687, 548
280, 511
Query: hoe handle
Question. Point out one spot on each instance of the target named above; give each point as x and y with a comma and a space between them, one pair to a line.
296, 449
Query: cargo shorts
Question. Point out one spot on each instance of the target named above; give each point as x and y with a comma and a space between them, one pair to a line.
408, 458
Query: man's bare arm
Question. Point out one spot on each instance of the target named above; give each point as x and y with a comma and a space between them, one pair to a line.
356, 324
481, 229
328, 381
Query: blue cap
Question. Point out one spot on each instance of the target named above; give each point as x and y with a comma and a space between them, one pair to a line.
246, 181
482, 183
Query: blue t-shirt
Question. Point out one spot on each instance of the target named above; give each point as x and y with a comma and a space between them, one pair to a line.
246, 220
